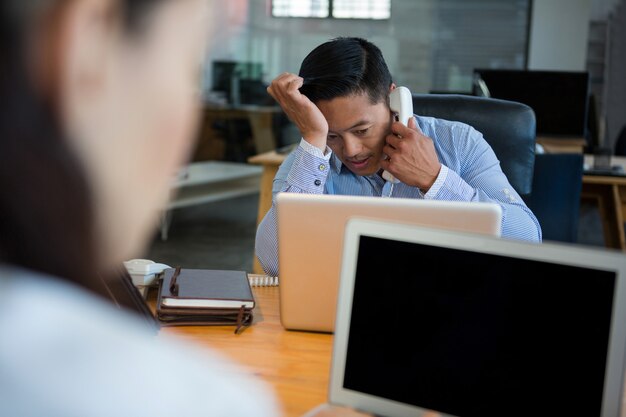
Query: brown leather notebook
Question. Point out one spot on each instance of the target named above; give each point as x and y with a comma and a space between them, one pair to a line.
205, 297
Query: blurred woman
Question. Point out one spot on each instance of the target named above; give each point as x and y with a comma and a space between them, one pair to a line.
98, 105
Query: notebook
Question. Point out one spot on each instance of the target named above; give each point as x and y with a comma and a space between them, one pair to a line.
206, 288
310, 238
471, 325
205, 297
119, 287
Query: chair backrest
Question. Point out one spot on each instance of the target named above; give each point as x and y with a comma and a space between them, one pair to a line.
620, 143
508, 127
555, 199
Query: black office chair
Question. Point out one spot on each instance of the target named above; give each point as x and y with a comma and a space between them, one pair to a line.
555, 198
508, 127
620, 143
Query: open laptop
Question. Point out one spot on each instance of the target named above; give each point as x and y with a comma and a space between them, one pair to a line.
310, 239
470, 325
119, 288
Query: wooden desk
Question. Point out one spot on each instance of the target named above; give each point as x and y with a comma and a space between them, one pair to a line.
609, 193
562, 145
295, 364
270, 162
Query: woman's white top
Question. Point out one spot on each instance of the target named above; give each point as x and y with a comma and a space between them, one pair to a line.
65, 352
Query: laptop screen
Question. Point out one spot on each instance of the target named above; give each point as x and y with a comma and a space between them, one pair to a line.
468, 333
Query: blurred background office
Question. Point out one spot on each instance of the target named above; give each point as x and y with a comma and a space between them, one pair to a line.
431, 46
435, 45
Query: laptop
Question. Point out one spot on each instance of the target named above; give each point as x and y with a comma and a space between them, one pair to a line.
310, 239
119, 288
470, 325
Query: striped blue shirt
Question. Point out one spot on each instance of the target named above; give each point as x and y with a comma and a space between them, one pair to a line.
469, 171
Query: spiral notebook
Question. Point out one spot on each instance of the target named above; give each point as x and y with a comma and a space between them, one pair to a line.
261, 280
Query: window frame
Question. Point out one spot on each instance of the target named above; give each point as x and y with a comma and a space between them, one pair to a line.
331, 16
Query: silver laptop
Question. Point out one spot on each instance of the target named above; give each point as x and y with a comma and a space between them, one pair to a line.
470, 325
310, 239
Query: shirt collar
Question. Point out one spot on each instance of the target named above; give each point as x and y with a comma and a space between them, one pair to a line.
335, 163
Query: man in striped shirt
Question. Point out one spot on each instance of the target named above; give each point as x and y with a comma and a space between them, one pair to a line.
340, 104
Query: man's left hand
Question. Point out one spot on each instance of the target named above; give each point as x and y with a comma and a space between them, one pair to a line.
411, 156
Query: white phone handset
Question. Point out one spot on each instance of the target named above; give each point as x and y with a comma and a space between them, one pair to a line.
400, 102
144, 271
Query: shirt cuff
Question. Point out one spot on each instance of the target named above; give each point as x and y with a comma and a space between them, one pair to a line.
453, 188
314, 150
439, 181
309, 171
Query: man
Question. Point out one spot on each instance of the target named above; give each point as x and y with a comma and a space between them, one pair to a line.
340, 104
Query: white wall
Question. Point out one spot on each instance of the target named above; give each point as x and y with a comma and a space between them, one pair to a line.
281, 44
559, 32
416, 41
228, 33
243, 30
600, 9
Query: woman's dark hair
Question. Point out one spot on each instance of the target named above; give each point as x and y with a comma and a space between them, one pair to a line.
345, 66
46, 210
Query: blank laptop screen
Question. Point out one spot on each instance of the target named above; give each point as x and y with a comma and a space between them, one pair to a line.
470, 333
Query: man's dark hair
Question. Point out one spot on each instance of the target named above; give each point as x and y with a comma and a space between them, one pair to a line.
343, 67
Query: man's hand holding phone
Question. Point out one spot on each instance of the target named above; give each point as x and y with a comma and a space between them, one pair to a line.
411, 156
307, 117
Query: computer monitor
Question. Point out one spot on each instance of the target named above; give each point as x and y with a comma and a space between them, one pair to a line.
222, 72
472, 325
249, 75
558, 98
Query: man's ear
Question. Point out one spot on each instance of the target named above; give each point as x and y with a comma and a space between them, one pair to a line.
391, 88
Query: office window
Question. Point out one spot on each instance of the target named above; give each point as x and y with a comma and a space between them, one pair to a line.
477, 34
300, 8
361, 9
338, 9
429, 45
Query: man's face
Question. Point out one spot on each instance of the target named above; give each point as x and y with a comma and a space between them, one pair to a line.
357, 131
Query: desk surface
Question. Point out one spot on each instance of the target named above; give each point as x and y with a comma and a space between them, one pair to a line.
271, 158
296, 364
260, 118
